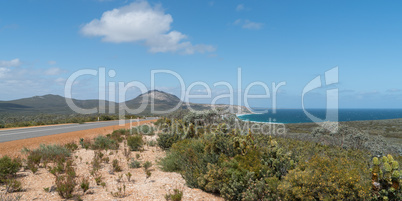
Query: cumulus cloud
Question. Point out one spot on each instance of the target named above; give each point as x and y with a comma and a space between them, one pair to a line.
394, 90
11, 63
240, 7
3, 72
18, 80
247, 24
140, 22
54, 71
60, 81
5, 66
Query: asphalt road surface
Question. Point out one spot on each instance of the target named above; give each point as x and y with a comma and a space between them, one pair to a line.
31, 132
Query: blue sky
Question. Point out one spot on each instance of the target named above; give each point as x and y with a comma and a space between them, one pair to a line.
43, 42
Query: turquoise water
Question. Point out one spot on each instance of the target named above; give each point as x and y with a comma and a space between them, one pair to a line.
298, 115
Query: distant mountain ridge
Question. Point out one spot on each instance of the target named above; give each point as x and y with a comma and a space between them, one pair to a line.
55, 104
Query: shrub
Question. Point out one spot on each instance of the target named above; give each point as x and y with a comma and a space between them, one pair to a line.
116, 166
165, 141
121, 192
104, 143
263, 189
85, 143
98, 180
148, 173
135, 142
71, 146
117, 135
8, 167
189, 160
33, 161
144, 130
151, 143
10, 197
96, 161
129, 176
13, 185
48, 153
84, 184
176, 196
65, 186
65, 183
386, 180
147, 165
170, 162
134, 164
324, 178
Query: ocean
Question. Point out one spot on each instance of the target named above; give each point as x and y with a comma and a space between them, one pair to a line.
298, 116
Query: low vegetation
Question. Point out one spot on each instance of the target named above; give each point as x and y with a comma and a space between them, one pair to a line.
241, 165
231, 162
177, 195
135, 142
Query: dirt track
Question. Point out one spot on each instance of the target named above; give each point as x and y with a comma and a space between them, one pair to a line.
13, 148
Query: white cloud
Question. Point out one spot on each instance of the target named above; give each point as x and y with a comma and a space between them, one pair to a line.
11, 63
247, 24
240, 7
18, 80
54, 71
60, 81
140, 22
52, 62
3, 72
394, 90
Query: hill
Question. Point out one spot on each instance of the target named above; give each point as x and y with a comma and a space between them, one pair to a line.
54, 104
47, 104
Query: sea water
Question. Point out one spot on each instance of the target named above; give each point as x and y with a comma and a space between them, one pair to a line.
299, 116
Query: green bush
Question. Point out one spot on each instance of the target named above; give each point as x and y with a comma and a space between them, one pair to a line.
104, 143
65, 186
116, 166
386, 179
135, 142
263, 189
71, 146
134, 164
48, 153
177, 195
189, 159
84, 184
170, 162
118, 135
10, 197
325, 178
65, 183
259, 167
165, 141
144, 130
151, 143
85, 143
8, 167
147, 165
12, 185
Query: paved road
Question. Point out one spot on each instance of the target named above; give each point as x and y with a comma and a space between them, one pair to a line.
31, 132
